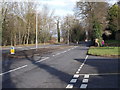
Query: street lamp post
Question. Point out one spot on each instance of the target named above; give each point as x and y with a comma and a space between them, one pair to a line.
36, 30
68, 37
68, 33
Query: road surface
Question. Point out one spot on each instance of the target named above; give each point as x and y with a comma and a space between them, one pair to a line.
20, 48
67, 68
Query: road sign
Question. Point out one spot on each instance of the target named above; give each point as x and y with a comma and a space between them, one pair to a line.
12, 50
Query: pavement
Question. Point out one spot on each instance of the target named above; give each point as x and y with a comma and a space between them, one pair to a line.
67, 68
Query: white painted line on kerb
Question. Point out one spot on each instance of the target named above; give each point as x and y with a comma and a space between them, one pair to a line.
73, 81
14, 69
69, 86
85, 81
43, 59
83, 86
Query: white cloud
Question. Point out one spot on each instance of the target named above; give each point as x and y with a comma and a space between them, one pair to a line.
61, 7
112, 1
53, 2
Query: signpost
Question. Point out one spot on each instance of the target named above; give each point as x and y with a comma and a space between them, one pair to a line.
12, 50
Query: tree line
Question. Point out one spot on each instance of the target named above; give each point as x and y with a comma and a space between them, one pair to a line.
19, 23
99, 17
90, 20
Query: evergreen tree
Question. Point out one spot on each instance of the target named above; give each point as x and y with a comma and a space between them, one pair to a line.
113, 14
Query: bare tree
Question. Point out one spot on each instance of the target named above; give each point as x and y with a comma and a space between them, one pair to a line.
71, 29
90, 11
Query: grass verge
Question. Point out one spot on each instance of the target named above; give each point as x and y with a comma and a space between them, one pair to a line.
104, 51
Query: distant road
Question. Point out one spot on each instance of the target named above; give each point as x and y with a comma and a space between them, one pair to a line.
7, 49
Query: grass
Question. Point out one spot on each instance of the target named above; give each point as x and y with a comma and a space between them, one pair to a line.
112, 43
104, 51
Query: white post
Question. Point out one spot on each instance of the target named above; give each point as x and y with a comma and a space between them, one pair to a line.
68, 37
68, 33
36, 29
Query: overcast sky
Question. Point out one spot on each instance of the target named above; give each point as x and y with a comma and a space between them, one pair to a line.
63, 7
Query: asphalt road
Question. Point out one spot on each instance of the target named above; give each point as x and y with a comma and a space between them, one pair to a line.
68, 68
20, 48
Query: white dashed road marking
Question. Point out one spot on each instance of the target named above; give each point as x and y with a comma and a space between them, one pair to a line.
14, 69
69, 86
73, 81
77, 72
86, 76
19, 47
85, 81
43, 59
63, 52
22, 67
83, 86
77, 75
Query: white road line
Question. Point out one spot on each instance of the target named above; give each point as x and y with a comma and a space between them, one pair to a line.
69, 86
86, 58
80, 67
14, 69
76, 76
85, 81
102, 74
77, 72
32, 48
65, 51
73, 81
83, 63
83, 86
58, 54
61, 52
43, 59
19, 47
69, 49
86, 76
